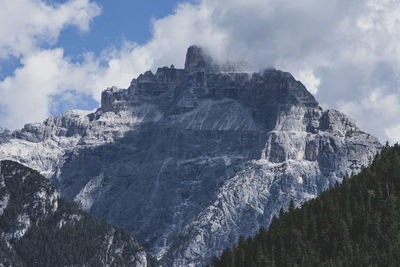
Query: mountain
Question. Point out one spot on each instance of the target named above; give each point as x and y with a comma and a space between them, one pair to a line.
189, 159
40, 228
356, 223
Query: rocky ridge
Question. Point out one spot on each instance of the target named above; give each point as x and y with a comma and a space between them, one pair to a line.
189, 159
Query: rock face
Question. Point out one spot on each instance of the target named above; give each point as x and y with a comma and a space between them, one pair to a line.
33, 220
197, 60
189, 159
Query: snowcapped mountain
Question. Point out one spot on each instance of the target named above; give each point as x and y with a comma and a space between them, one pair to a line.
189, 159
39, 228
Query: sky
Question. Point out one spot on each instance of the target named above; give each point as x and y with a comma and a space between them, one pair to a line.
57, 55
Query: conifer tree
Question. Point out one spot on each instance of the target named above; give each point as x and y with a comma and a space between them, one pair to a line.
356, 223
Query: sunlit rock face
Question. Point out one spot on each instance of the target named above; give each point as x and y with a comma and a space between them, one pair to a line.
189, 159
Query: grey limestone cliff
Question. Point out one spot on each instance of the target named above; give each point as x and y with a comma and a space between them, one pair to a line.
189, 159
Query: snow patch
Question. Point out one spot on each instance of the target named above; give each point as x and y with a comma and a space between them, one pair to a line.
86, 197
300, 180
4, 203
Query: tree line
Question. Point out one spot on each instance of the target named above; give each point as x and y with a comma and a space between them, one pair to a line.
356, 223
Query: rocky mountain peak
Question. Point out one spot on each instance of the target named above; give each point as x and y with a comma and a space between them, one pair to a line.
197, 59
178, 91
189, 159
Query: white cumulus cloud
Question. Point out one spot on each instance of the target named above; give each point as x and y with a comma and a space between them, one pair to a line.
26, 24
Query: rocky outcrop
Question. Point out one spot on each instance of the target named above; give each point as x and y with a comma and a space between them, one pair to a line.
189, 159
197, 60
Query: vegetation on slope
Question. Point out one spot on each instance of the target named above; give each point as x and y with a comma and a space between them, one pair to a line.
356, 223
59, 233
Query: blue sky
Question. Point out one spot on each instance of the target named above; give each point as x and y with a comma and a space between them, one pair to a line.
119, 20
59, 55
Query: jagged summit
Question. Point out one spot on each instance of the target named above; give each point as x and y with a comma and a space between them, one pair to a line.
189, 159
177, 90
197, 59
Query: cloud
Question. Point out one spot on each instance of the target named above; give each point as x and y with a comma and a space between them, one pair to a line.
26, 24
346, 52
307, 77
382, 109
25, 96
393, 133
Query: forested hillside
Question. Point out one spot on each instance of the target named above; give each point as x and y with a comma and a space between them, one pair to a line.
356, 223
40, 228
